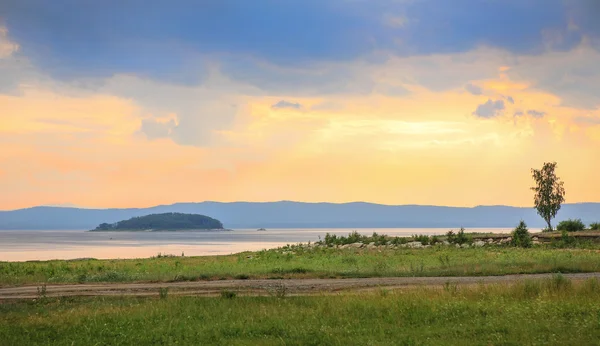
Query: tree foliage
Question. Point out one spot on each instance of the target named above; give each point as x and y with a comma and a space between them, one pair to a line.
520, 236
549, 192
571, 225
165, 221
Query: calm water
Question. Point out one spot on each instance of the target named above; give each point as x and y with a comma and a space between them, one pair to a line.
44, 245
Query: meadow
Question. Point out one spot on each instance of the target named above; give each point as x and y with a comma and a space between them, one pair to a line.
554, 311
310, 262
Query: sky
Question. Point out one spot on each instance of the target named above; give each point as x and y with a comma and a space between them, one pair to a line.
132, 103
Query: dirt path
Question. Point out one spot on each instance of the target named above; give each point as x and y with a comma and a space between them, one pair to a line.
262, 287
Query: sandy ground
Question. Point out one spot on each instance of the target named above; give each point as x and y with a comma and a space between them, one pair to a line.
263, 287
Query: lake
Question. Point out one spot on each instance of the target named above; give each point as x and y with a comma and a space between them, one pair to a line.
50, 244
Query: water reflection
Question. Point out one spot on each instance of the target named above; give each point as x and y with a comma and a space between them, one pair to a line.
45, 244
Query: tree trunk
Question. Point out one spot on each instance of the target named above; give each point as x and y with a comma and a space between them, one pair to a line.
549, 225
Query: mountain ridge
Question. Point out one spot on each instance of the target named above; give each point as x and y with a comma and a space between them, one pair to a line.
290, 214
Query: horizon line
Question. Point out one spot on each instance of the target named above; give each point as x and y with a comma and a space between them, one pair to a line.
67, 206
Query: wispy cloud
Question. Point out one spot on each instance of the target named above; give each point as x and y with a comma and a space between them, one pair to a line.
536, 114
283, 104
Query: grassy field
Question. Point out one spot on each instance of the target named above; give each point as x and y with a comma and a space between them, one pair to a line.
301, 262
554, 311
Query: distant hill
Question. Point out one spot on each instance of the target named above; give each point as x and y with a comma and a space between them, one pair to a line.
301, 215
163, 222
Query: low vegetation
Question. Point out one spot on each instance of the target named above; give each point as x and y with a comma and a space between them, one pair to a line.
571, 225
549, 312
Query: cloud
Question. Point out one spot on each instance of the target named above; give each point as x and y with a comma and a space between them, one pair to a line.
589, 120
510, 99
474, 89
489, 109
70, 39
283, 104
574, 76
536, 114
154, 128
195, 115
518, 114
395, 21
7, 47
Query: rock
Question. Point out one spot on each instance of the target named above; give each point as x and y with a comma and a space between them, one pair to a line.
345, 246
536, 242
356, 245
445, 242
465, 245
489, 240
457, 245
478, 243
414, 245
535, 238
505, 240
371, 246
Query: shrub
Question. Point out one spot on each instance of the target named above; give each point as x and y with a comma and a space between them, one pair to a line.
424, 239
595, 226
521, 236
228, 294
462, 237
571, 225
450, 236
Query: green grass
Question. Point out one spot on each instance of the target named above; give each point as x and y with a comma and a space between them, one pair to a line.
550, 312
298, 262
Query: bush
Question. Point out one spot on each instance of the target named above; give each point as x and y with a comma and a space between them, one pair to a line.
228, 294
521, 236
450, 236
424, 239
459, 238
595, 226
462, 237
571, 225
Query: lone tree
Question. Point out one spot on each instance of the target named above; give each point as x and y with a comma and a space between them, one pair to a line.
549, 192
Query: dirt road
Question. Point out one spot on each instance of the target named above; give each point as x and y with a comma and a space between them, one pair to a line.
261, 287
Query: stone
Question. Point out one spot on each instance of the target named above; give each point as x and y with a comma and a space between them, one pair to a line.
478, 243
445, 242
535, 238
356, 245
489, 240
414, 244
465, 245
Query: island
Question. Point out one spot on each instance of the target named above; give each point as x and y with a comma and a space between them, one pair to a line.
163, 222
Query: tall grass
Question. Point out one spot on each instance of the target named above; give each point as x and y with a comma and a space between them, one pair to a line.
300, 262
548, 312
